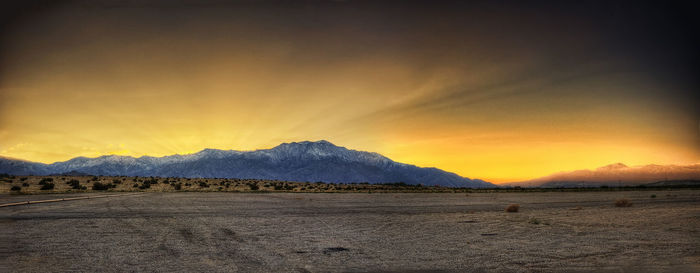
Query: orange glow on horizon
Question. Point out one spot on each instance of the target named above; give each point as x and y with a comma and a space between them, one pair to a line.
447, 93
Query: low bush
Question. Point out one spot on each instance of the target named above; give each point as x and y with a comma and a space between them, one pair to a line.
97, 186
45, 181
47, 186
75, 184
513, 208
253, 186
15, 188
622, 203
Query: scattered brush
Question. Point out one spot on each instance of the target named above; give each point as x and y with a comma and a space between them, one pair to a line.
512, 208
45, 181
97, 186
622, 203
47, 186
75, 184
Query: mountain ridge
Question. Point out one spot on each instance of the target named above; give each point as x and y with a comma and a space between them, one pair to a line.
294, 161
616, 174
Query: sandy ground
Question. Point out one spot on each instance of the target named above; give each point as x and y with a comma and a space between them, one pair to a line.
300, 232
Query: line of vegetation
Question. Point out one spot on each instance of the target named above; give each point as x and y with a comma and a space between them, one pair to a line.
35, 184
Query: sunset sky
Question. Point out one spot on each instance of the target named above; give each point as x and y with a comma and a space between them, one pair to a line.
501, 91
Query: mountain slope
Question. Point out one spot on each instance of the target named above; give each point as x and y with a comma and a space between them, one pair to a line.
21, 167
296, 161
615, 175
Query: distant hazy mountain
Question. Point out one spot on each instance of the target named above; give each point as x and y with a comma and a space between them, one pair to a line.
616, 174
296, 161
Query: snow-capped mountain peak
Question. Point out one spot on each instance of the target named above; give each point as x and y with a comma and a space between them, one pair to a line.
294, 161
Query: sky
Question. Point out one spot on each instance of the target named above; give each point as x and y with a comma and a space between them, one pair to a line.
498, 90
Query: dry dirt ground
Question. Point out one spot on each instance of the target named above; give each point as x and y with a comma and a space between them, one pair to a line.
354, 232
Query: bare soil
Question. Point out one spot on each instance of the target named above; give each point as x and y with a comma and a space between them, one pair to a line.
354, 232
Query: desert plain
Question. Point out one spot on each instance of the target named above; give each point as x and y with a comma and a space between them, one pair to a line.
353, 232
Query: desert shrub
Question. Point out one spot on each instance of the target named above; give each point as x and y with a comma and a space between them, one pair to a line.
15, 188
45, 181
25, 184
623, 202
177, 186
203, 184
653, 196
94, 178
136, 185
97, 186
23, 179
47, 186
116, 181
145, 186
513, 208
75, 184
253, 186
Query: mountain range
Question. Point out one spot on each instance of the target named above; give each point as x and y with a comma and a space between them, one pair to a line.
295, 161
617, 174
